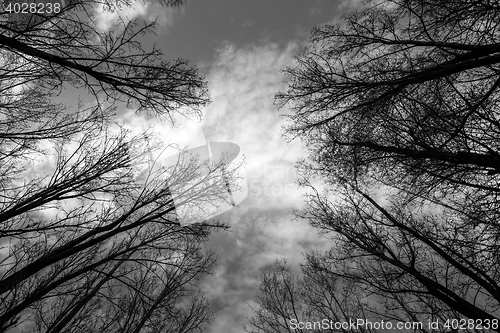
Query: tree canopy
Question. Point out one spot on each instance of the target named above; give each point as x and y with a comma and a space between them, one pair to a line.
89, 236
399, 107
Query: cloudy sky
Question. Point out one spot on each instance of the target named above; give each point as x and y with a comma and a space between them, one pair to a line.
242, 46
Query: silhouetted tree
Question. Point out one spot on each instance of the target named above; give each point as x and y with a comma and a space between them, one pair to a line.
290, 303
411, 84
399, 108
89, 236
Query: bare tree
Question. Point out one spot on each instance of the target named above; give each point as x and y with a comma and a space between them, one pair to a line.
315, 301
399, 106
424, 264
155, 291
405, 83
89, 237
68, 48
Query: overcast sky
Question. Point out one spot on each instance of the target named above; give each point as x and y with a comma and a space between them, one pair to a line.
242, 46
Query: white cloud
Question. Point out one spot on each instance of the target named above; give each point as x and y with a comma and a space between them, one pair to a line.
107, 18
350, 4
248, 23
242, 83
149, 11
